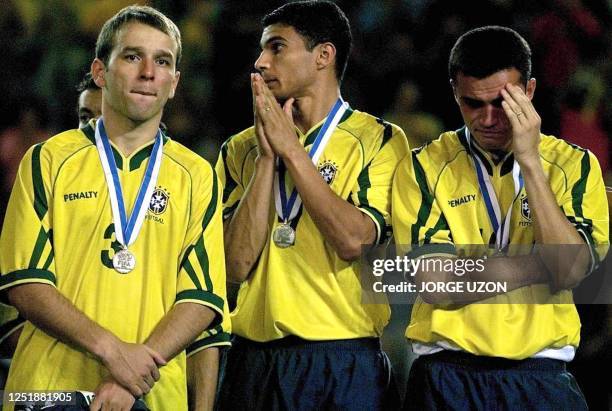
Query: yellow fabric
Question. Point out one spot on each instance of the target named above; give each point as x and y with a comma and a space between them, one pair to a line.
306, 290
426, 209
59, 231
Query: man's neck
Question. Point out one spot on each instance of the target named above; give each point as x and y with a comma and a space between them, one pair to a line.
311, 109
127, 134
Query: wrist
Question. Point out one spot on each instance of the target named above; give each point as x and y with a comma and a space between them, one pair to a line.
529, 162
105, 347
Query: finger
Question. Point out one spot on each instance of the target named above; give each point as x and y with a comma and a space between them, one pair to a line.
288, 108
150, 381
157, 357
514, 121
156, 374
145, 387
135, 390
523, 104
515, 112
263, 108
96, 404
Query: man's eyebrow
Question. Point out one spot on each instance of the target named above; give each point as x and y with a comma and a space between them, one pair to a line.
272, 39
138, 50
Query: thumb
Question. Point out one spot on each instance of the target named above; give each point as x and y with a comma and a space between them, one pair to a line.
159, 360
288, 108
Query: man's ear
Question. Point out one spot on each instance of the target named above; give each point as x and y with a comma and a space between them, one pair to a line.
175, 81
531, 86
97, 72
452, 83
326, 55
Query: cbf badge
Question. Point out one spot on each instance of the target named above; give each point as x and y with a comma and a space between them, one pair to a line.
525, 211
328, 170
283, 236
124, 261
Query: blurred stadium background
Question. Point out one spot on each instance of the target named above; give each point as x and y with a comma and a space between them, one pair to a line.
397, 71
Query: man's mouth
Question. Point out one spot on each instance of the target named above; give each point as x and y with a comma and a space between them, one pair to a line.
144, 93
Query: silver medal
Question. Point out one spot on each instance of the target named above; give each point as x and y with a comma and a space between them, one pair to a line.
283, 236
124, 261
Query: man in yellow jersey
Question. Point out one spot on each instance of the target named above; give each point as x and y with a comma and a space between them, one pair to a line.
111, 249
498, 181
304, 189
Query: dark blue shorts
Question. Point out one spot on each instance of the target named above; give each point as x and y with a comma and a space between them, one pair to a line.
461, 381
295, 374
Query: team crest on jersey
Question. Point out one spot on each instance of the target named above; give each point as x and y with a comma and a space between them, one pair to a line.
328, 170
159, 201
525, 211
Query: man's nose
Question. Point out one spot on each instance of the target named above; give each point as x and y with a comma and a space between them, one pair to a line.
262, 63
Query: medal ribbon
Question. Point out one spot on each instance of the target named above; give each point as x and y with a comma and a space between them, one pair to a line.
287, 209
127, 228
501, 228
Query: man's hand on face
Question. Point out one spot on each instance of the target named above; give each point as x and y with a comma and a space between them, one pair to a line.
276, 121
525, 123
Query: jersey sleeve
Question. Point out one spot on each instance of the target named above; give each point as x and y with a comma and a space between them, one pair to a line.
418, 222
218, 336
201, 277
26, 242
229, 175
585, 205
372, 191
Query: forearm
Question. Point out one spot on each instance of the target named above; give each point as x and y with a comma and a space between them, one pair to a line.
561, 248
178, 328
247, 231
343, 226
202, 376
48, 310
515, 272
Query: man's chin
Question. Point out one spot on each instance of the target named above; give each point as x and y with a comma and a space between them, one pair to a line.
493, 141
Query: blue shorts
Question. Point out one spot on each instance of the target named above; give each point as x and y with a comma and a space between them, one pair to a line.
460, 381
295, 374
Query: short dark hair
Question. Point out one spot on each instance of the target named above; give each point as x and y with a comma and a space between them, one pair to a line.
140, 14
318, 22
486, 50
87, 83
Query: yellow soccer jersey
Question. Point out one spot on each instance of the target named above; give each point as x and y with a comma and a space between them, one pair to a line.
306, 290
59, 231
437, 200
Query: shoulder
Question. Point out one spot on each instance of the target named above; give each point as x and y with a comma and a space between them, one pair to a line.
563, 154
239, 144
440, 152
57, 149
366, 127
198, 168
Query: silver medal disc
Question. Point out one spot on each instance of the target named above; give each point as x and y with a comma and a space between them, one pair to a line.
283, 236
124, 261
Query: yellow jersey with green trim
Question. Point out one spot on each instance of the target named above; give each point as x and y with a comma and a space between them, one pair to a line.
437, 200
307, 290
59, 231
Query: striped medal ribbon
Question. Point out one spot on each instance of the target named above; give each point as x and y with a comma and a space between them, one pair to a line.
501, 228
127, 227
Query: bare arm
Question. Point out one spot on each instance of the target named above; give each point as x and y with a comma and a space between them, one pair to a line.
132, 365
247, 230
567, 269
202, 376
515, 272
179, 327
